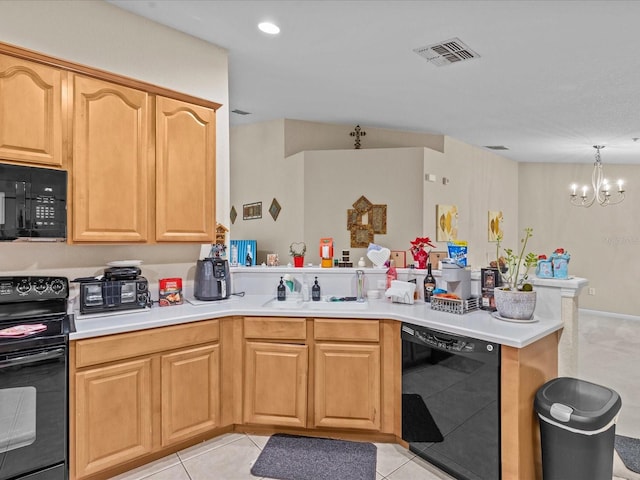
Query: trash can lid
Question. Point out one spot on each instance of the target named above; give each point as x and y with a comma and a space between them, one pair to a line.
577, 403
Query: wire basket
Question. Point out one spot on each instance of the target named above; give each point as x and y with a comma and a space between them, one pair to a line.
451, 305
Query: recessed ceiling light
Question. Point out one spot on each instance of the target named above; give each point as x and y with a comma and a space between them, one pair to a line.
270, 28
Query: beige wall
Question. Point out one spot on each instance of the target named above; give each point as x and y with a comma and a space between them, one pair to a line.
100, 35
302, 135
333, 179
603, 241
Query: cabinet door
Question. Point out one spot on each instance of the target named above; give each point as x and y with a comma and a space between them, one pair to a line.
110, 162
185, 171
275, 385
347, 386
190, 392
113, 415
30, 112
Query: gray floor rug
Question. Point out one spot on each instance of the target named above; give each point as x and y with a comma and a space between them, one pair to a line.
629, 451
291, 457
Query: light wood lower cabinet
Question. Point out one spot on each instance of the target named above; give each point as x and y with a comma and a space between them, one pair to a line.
139, 393
275, 384
347, 386
190, 399
340, 389
113, 415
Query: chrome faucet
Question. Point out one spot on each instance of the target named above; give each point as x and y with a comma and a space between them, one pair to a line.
360, 285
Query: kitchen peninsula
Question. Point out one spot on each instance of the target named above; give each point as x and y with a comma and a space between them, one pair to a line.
185, 373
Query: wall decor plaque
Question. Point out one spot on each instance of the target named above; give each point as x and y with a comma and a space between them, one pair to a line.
251, 211
274, 209
378, 219
361, 236
233, 214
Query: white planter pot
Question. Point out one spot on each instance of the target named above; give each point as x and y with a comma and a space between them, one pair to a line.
514, 303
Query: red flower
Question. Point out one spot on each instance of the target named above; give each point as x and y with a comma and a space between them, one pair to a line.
559, 251
542, 257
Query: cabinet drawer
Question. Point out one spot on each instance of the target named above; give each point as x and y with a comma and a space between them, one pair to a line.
97, 350
275, 328
343, 329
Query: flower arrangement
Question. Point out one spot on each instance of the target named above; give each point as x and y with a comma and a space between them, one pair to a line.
511, 263
297, 249
417, 250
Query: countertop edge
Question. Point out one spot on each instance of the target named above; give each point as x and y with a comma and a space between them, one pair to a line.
478, 324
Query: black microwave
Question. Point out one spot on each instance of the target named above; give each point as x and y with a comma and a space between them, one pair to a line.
33, 203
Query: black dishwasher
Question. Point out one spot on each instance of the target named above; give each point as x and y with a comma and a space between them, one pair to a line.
451, 401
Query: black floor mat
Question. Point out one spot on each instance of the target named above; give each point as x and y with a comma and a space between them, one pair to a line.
629, 451
417, 423
293, 457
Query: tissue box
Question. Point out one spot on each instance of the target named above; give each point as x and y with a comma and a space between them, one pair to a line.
401, 292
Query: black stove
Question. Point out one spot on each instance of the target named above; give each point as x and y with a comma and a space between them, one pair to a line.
34, 329
25, 304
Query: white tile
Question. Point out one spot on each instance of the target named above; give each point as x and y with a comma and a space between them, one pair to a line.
259, 440
177, 472
418, 469
229, 462
391, 457
150, 468
212, 444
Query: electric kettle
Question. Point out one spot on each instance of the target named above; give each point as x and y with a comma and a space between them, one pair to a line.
212, 281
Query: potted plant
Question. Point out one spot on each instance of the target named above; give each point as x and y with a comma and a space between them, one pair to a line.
297, 251
516, 299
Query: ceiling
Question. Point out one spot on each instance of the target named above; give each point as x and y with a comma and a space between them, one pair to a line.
553, 79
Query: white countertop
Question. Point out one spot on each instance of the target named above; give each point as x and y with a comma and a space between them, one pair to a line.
478, 324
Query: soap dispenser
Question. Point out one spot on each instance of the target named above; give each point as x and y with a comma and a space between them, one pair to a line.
315, 291
282, 292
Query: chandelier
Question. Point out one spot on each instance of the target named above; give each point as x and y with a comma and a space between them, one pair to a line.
601, 189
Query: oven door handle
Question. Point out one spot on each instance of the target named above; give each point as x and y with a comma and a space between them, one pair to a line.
31, 358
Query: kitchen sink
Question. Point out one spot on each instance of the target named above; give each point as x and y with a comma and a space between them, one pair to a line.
321, 305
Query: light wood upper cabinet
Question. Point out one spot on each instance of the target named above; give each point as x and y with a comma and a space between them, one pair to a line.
31, 112
110, 162
185, 171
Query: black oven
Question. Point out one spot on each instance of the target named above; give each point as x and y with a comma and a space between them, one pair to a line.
451, 401
33, 203
34, 329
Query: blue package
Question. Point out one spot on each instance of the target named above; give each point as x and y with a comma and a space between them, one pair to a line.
458, 252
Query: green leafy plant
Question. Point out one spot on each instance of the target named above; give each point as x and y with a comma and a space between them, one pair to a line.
509, 265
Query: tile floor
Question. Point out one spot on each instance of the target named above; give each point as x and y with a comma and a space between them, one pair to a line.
608, 355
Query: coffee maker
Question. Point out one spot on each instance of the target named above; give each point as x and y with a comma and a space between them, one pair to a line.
212, 281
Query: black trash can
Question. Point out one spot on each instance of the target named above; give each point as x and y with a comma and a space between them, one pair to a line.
577, 429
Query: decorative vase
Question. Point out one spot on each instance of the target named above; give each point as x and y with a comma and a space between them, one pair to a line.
298, 261
515, 304
420, 257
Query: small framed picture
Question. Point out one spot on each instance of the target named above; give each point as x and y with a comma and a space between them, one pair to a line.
251, 211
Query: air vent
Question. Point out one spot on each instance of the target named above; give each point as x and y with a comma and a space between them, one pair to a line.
496, 147
240, 112
446, 53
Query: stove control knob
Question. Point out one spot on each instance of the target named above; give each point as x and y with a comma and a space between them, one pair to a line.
40, 285
57, 285
23, 286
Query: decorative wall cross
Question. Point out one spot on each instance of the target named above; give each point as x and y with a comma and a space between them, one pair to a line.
358, 132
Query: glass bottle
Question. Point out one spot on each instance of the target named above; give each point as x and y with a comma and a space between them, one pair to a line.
248, 261
429, 284
315, 291
282, 291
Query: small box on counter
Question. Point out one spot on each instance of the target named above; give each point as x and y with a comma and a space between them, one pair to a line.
170, 292
489, 279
